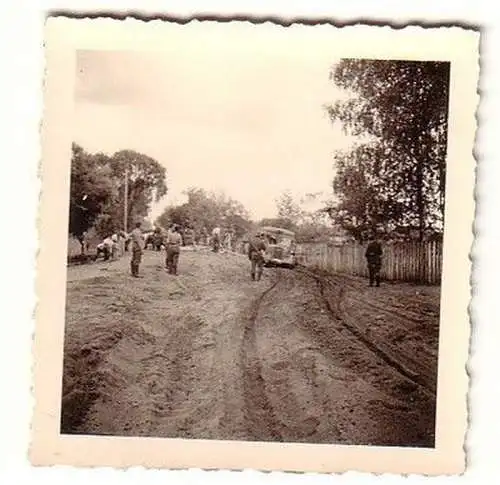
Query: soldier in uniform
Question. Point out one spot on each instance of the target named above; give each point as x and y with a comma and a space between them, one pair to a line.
205, 238
373, 257
216, 239
228, 241
174, 243
256, 249
137, 241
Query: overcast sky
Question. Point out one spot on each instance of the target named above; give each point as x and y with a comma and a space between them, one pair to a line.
233, 113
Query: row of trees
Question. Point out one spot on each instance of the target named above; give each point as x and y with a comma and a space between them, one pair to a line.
99, 184
205, 210
394, 179
97, 201
308, 224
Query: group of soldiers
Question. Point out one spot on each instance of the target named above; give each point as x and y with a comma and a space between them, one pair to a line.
373, 255
135, 242
110, 248
172, 243
256, 248
220, 240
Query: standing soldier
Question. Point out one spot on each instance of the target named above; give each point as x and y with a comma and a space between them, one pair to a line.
137, 242
157, 238
85, 242
204, 236
256, 249
188, 237
216, 239
174, 243
114, 248
227, 241
373, 257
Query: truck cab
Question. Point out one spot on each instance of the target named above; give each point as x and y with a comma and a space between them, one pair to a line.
281, 247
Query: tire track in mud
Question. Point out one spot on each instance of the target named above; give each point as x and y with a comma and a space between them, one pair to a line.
170, 367
261, 423
150, 402
427, 352
322, 382
383, 351
394, 312
426, 368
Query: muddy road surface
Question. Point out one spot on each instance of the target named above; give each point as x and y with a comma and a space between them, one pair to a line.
300, 356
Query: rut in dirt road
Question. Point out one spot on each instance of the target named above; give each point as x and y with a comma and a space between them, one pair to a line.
380, 349
212, 355
323, 382
259, 415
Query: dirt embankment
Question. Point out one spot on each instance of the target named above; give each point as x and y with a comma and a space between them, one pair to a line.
211, 354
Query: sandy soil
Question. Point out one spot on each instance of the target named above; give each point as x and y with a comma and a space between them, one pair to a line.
300, 356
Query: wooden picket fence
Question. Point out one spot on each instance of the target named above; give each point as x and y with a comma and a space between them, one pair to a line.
418, 262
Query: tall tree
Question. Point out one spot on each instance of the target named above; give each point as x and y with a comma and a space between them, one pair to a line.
91, 188
146, 180
371, 192
97, 196
288, 208
401, 107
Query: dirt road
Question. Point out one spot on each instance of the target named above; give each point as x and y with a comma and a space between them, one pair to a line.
298, 357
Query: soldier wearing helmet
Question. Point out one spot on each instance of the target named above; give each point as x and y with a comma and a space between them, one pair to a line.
256, 250
373, 255
137, 240
173, 246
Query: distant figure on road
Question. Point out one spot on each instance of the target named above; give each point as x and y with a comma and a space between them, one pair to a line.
204, 237
85, 242
174, 243
137, 241
216, 239
373, 257
256, 249
227, 241
188, 237
156, 239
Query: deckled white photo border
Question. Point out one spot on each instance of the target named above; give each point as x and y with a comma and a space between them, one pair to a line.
63, 38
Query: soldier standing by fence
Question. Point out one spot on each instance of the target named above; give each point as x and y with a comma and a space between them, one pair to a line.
373, 257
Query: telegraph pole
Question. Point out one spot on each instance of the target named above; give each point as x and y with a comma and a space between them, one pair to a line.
125, 203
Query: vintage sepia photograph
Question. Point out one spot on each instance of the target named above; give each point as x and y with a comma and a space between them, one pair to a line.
254, 237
